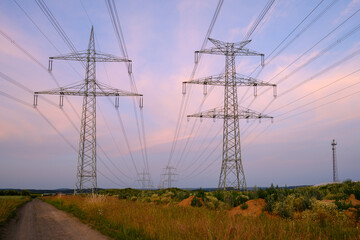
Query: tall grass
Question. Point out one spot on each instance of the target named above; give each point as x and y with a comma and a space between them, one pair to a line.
8, 207
124, 219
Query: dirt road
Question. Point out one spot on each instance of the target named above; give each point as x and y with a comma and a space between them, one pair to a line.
39, 220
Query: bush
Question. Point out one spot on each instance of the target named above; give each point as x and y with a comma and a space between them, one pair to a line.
261, 193
342, 205
219, 195
181, 195
244, 206
240, 199
195, 202
200, 194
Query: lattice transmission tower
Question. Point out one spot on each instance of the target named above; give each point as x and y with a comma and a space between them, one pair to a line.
145, 180
168, 177
86, 175
232, 173
335, 174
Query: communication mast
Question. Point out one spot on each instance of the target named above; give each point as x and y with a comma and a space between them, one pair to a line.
232, 173
335, 174
86, 175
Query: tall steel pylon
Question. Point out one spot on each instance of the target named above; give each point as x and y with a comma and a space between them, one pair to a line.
168, 177
86, 175
144, 179
335, 174
232, 174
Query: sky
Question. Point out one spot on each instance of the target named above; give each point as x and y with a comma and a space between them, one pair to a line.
311, 52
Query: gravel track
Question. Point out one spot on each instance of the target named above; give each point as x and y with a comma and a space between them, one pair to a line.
38, 220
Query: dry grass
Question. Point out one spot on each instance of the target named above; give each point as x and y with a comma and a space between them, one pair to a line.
123, 219
9, 205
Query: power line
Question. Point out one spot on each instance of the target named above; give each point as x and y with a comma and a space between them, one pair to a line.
258, 20
317, 90
111, 5
184, 101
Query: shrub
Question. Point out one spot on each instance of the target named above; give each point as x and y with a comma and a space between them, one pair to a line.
342, 205
244, 206
212, 202
240, 199
229, 199
195, 202
261, 193
181, 195
200, 194
219, 195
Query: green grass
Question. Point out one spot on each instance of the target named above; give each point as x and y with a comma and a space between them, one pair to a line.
11, 197
126, 219
8, 207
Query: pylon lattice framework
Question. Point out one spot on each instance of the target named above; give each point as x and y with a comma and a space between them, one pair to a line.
144, 179
86, 175
335, 174
232, 173
168, 177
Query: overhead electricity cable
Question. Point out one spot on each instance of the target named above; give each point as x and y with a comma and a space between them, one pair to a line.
264, 21
184, 100
336, 64
317, 17
19, 85
111, 5
68, 42
44, 35
18, 46
322, 52
44, 8
105, 121
9, 96
126, 140
113, 138
258, 20
291, 33
251, 30
317, 90
322, 105
318, 99
338, 41
199, 156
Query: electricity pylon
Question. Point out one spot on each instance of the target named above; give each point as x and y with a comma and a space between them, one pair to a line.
86, 175
335, 174
232, 172
144, 179
168, 177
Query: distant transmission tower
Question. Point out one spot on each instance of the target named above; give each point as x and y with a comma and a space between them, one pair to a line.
144, 179
232, 173
86, 177
169, 177
335, 174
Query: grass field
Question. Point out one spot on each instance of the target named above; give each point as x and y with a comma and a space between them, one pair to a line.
126, 219
9, 205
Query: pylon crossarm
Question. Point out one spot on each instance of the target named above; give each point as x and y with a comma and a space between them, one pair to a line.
80, 90
243, 113
109, 91
221, 44
219, 80
83, 56
232, 52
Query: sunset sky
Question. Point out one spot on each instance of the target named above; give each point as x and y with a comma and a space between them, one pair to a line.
317, 68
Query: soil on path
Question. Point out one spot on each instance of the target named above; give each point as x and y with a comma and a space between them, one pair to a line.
39, 220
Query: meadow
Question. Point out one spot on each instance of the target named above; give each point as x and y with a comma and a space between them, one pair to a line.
323, 212
9, 205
